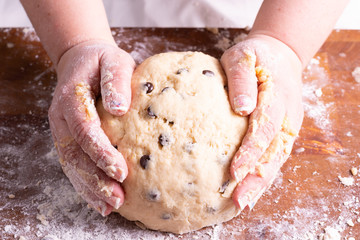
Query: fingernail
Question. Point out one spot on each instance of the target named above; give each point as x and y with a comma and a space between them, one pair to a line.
119, 104
101, 208
118, 203
252, 205
103, 211
256, 198
116, 172
122, 175
236, 177
243, 202
239, 176
244, 104
115, 102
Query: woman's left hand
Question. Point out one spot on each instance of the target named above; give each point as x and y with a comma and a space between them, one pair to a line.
264, 79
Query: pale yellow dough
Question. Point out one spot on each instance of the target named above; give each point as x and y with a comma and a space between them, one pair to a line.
183, 183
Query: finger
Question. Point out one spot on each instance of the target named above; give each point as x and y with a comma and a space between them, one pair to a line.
93, 201
239, 66
254, 185
264, 123
84, 124
116, 72
97, 189
92, 183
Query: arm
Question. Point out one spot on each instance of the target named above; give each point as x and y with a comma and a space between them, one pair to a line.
302, 25
264, 78
77, 38
66, 23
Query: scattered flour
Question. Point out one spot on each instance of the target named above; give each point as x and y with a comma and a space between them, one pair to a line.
346, 181
330, 234
315, 108
225, 42
49, 196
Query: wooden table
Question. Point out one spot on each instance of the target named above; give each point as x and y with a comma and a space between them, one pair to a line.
36, 199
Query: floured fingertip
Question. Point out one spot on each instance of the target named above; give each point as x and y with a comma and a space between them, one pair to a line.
115, 103
116, 172
244, 105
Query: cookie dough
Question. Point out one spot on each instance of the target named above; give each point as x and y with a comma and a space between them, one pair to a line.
178, 138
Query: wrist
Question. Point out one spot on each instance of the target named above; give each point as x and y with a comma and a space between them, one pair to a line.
80, 42
280, 46
81, 50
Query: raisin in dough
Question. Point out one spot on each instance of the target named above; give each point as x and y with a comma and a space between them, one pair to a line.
178, 138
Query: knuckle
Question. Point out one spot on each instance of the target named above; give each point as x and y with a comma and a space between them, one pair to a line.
53, 111
80, 132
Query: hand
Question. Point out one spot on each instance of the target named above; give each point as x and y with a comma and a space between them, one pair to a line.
87, 157
264, 79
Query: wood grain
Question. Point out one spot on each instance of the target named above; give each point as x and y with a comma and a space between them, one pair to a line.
305, 198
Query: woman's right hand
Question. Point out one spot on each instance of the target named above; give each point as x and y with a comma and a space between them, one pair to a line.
93, 165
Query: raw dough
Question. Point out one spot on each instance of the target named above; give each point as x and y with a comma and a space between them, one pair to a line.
178, 138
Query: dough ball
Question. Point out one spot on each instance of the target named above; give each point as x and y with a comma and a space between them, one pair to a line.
178, 139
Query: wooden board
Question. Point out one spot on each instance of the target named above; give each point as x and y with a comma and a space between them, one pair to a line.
36, 199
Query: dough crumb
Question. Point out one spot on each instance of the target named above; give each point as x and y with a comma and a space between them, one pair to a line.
350, 223
349, 134
343, 55
239, 38
213, 30
223, 44
10, 45
330, 234
42, 219
318, 92
296, 168
300, 150
11, 196
356, 74
354, 171
346, 181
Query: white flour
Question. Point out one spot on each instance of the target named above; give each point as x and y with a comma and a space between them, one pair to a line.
45, 204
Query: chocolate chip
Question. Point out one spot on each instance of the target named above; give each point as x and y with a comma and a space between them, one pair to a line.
181, 70
208, 73
168, 122
165, 139
149, 87
210, 209
144, 161
223, 187
166, 216
153, 195
150, 112
115, 146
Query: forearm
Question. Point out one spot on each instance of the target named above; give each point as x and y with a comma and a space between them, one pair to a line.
63, 24
302, 25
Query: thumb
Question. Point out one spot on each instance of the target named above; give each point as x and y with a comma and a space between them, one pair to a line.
116, 71
239, 66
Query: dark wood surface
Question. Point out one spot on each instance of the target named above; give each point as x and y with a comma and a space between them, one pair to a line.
36, 199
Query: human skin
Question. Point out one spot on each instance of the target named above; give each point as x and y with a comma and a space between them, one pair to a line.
77, 38
284, 37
